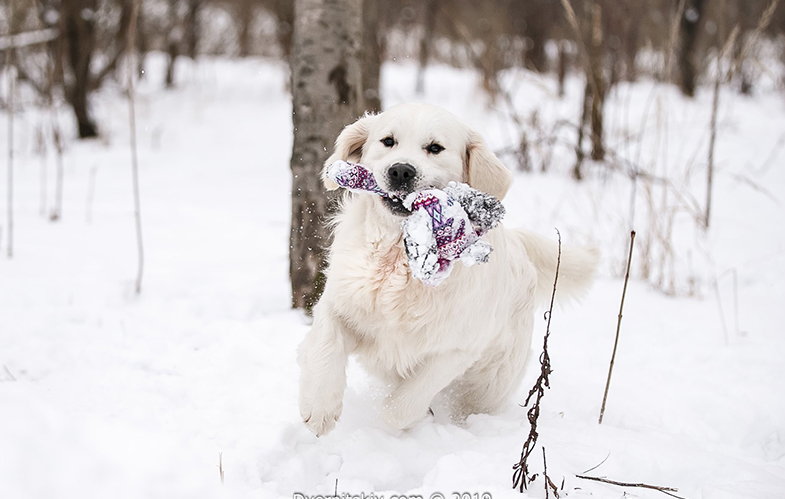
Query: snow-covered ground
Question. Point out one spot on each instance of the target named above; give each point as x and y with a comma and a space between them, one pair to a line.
108, 394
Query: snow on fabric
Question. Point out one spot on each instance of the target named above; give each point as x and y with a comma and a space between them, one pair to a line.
445, 225
354, 177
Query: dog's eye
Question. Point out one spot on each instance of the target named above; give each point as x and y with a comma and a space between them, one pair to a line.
388, 141
434, 148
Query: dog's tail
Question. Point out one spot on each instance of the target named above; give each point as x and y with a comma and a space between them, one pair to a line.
576, 270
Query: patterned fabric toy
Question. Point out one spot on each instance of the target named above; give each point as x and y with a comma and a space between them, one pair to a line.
445, 225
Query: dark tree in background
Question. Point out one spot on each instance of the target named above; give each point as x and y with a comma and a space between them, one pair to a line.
687, 59
430, 11
174, 36
326, 96
245, 17
78, 21
284, 13
492, 36
192, 30
372, 56
79, 29
597, 78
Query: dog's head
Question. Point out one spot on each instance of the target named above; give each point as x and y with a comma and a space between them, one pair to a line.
411, 147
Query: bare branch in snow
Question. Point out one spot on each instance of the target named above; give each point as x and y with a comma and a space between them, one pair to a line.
520, 476
618, 328
221, 466
134, 159
664, 490
548, 482
27, 38
10, 67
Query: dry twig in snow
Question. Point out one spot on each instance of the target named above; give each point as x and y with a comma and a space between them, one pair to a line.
548, 482
715, 105
134, 161
618, 328
221, 466
9, 61
664, 490
520, 475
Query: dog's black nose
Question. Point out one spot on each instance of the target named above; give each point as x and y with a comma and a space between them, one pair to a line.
400, 177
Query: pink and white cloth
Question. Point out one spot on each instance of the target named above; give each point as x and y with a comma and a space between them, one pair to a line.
445, 224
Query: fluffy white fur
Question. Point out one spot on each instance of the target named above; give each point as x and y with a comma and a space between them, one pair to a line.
468, 338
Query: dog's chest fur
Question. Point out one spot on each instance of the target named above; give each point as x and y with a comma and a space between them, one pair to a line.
377, 284
373, 291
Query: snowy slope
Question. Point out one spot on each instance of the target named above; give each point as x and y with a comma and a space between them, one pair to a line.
106, 394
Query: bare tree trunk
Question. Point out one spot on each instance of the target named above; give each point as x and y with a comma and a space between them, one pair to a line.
173, 39
131, 48
372, 56
326, 95
614, 64
57, 209
173, 50
743, 65
245, 17
537, 33
9, 63
430, 8
598, 84
715, 104
11, 103
79, 31
192, 31
579, 154
630, 47
284, 12
689, 37
40, 148
142, 45
562, 69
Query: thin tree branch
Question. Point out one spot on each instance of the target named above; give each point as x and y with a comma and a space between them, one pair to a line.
126, 37
9, 373
520, 476
715, 105
24, 76
10, 69
597, 466
770, 159
763, 23
548, 482
664, 490
618, 329
109, 67
28, 38
134, 160
673, 40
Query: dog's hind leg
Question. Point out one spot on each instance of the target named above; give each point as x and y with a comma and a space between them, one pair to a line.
482, 391
410, 401
488, 385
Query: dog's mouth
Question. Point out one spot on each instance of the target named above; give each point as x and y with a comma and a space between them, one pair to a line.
395, 205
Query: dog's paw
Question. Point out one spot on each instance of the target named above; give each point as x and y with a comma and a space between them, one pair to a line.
399, 415
320, 418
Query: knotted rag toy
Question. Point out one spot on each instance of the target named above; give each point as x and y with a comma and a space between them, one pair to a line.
444, 225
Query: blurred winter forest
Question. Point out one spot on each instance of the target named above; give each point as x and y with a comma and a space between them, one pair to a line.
68, 48
59, 53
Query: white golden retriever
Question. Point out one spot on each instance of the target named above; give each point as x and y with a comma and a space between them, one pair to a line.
467, 338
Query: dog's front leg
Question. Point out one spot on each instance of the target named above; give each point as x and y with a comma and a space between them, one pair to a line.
410, 401
322, 358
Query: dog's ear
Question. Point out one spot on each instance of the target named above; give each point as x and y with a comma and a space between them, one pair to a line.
348, 146
483, 170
